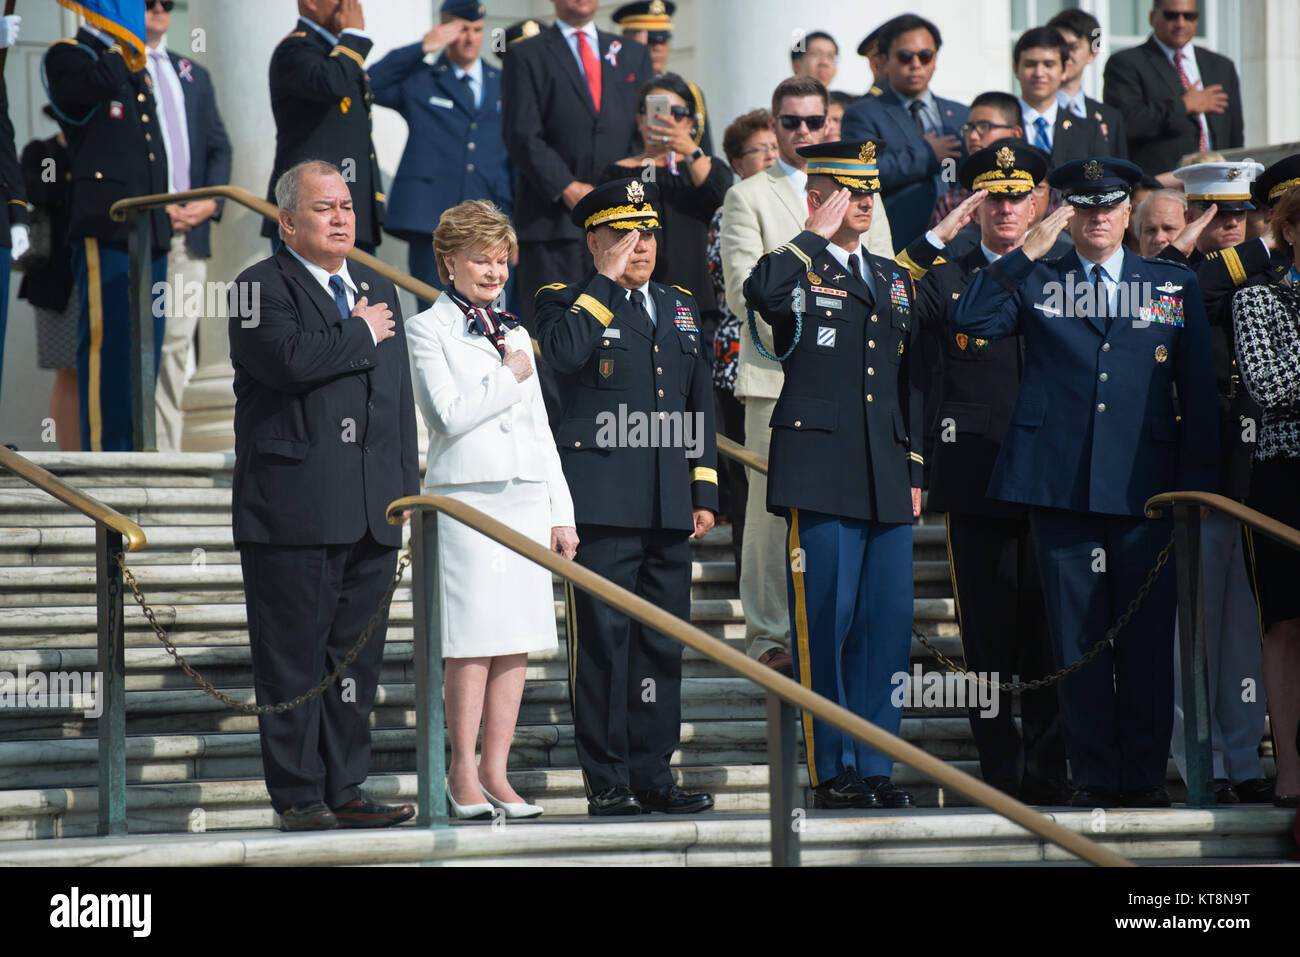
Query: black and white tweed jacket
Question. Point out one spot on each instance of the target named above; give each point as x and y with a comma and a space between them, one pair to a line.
1267, 321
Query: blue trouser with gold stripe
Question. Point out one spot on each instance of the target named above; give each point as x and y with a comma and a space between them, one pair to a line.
850, 591
102, 275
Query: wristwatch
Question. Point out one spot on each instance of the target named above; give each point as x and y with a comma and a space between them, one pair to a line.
699, 151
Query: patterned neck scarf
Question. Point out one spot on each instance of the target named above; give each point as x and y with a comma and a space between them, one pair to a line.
482, 321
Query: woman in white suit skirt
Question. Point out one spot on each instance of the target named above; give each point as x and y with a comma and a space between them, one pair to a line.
490, 447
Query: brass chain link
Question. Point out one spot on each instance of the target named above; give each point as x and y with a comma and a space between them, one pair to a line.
402, 562
1111, 632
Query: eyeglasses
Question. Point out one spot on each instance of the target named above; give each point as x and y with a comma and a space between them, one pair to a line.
905, 56
1191, 16
983, 128
678, 112
790, 121
165, 4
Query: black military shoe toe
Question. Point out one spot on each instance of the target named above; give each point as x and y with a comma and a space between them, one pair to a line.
671, 799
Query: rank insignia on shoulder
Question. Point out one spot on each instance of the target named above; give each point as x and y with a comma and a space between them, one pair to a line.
1162, 354
898, 293
1168, 287
813, 278
606, 368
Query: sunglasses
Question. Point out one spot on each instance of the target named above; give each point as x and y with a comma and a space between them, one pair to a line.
905, 56
1172, 15
678, 112
790, 121
983, 127
165, 4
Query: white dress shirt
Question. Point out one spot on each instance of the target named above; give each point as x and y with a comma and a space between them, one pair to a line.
322, 276
1076, 104
475, 74
167, 83
989, 254
570, 37
841, 256
1193, 74
798, 179
1029, 116
649, 303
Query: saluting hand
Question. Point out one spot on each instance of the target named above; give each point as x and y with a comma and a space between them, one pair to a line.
349, 17
950, 225
1185, 241
826, 218
1042, 236
516, 360
612, 261
444, 34
378, 317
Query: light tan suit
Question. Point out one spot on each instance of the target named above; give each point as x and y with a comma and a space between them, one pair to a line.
759, 214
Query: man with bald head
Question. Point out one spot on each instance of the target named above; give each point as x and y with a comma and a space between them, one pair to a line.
1161, 217
324, 440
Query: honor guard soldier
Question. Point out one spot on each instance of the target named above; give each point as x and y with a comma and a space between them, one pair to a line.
990, 549
1094, 433
321, 100
636, 440
845, 464
650, 22
104, 99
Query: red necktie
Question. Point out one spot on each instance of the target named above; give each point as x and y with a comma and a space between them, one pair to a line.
1203, 144
590, 66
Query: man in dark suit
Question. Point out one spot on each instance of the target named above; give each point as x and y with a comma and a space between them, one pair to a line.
919, 131
569, 104
1176, 99
324, 440
14, 226
107, 108
198, 155
626, 351
1094, 433
1039, 61
1082, 34
321, 100
990, 549
454, 149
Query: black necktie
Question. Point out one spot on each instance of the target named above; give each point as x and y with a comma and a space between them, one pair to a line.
1099, 285
638, 303
855, 267
916, 106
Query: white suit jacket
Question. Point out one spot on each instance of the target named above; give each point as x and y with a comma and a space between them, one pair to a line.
483, 425
759, 214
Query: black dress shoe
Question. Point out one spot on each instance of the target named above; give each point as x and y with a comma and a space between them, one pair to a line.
1146, 797
613, 801
363, 812
308, 816
672, 799
1039, 793
886, 793
844, 790
1223, 791
1255, 791
1094, 797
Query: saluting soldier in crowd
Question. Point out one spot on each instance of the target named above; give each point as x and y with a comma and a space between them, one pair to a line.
636, 439
1094, 434
845, 464
107, 107
990, 549
321, 101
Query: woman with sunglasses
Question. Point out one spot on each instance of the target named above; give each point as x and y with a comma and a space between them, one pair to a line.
691, 186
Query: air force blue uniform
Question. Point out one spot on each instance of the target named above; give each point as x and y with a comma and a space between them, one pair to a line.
1094, 433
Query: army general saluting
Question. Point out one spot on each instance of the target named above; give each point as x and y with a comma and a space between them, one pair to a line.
1109, 336
637, 446
845, 464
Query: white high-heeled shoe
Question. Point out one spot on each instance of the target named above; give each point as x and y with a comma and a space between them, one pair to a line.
521, 810
468, 812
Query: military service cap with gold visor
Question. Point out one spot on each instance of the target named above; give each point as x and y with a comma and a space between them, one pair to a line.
619, 204
1009, 167
851, 163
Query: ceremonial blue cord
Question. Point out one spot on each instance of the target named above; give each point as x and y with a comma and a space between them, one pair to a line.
796, 306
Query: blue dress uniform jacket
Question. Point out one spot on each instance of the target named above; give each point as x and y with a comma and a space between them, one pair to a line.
846, 431
608, 364
117, 150
910, 174
321, 100
1094, 428
454, 150
324, 419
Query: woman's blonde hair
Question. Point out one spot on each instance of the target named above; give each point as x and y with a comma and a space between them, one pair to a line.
473, 224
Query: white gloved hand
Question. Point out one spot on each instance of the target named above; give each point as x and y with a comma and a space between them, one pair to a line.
18, 235
9, 30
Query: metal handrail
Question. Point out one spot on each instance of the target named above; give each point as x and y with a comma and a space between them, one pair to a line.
111, 527
122, 209
772, 682
1244, 514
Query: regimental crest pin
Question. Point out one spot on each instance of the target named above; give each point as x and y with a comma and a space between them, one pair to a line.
1066, 124
1092, 170
1162, 354
365, 287
635, 191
